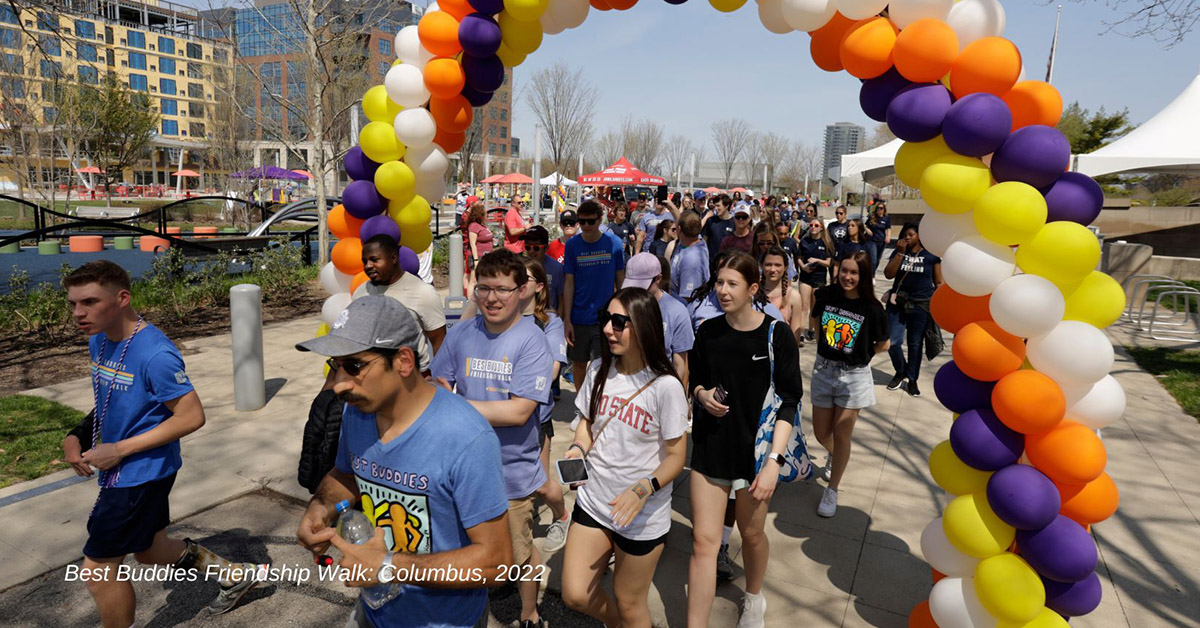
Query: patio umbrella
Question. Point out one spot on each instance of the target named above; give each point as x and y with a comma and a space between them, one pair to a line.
306, 173
742, 190
712, 190
185, 173
515, 178
90, 170
493, 179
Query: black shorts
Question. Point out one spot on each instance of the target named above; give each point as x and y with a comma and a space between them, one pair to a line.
547, 430
126, 519
587, 344
815, 282
629, 546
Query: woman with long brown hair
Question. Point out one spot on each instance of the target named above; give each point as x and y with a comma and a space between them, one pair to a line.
479, 241
856, 240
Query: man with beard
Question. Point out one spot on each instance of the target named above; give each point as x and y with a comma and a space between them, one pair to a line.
381, 263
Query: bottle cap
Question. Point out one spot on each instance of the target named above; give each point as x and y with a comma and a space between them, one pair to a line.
342, 505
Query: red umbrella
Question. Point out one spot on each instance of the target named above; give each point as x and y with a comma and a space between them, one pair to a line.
493, 179
515, 178
90, 170
621, 173
712, 190
742, 190
186, 173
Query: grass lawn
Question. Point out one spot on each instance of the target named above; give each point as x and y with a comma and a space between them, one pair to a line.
31, 433
1178, 371
1167, 302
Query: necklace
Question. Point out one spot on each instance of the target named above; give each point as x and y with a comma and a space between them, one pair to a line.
108, 479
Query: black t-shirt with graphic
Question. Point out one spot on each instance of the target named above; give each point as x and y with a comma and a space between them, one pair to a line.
916, 274
839, 231
848, 328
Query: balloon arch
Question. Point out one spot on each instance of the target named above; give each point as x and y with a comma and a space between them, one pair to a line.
1029, 383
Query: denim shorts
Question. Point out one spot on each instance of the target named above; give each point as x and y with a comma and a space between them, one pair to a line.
835, 384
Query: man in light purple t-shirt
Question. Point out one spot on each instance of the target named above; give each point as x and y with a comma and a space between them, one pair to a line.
502, 363
646, 270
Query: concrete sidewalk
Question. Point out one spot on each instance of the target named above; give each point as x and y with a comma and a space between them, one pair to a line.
861, 568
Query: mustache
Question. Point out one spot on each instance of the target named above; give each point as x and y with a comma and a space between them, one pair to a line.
349, 398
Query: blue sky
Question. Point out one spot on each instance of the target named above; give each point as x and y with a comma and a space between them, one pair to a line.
690, 65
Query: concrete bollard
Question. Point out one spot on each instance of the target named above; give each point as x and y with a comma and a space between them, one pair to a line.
456, 265
245, 313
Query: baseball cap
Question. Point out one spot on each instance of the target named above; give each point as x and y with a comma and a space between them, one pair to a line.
371, 322
472, 199
698, 195
568, 215
640, 270
536, 234
742, 208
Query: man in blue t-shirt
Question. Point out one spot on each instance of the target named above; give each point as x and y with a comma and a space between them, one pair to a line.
425, 468
648, 224
145, 404
594, 265
690, 261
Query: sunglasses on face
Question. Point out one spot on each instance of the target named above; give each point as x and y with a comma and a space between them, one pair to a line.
588, 221
569, 223
619, 321
351, 366
741, 217
534, 247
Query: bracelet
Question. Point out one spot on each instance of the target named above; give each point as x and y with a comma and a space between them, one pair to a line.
577, 445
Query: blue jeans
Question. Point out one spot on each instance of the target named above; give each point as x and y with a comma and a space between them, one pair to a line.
873, 252
911, 328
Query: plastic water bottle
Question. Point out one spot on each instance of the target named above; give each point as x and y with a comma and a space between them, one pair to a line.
354, 526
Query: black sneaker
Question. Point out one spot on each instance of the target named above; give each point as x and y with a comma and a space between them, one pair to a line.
896, 382
912, 389
529, 623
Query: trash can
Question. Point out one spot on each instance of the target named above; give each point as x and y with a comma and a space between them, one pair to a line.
123, 243
49, 247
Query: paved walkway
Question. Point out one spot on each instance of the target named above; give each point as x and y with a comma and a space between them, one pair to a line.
861, 568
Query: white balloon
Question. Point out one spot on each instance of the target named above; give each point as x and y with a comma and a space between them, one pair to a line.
808, 15
550, 26
1097, 406
974, 266
770, 13
942, 555
973, 20
569, 13
1073, 353
954, 604
939, 230
905, 12
406, 85
409, 49
334, 306
415, 127
427, 162
861, 9
432, 190
334, 280
1027, 305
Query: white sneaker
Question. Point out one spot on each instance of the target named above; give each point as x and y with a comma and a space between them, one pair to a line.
556, 535
828, 505
754, 610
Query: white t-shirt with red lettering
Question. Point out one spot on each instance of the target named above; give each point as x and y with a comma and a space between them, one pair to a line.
632, 447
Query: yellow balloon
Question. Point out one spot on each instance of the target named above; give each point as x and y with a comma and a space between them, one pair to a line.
974, 529
321, 331
914, 157
378, 142
1010, 213
954, 475
1045, 619
509, 57
415, 214
727, 6
951, 184
1009, 588
522, 37
416, 239
526, 10
378, 107
1063, 252
395, 181
396, 63
1097, 301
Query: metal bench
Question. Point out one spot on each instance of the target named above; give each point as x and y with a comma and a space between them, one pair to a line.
86, 211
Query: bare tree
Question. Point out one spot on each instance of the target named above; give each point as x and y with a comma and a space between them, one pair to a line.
1167, 21
774, 152
230, 135
802, 165
606, 149
731, 137
677, 156
472, 142
642, 142
880, 135
753, 157
563, 103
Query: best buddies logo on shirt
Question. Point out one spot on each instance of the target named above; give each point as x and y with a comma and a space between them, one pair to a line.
841, 328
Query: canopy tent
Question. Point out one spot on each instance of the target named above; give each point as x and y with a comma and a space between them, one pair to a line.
872, 164
557, 179
621, 173
185, 173
269, 172
514, 177
1169, 142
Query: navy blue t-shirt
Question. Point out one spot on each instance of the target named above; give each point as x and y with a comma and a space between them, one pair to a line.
916, 274
714, 231
815, 248
847, 248
879, 229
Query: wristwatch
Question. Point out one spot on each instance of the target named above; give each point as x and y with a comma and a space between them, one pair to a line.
387, 571
778, 458
654, 484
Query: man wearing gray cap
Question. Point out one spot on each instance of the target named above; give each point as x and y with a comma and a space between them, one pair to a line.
424, 465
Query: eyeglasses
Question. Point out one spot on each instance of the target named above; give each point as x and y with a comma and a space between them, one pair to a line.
764, 243
483, 292
619, 321
352, 367
588, 221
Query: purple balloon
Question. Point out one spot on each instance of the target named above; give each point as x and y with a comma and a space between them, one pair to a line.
1075, 598
960, 393
361, 199
977, 124
1022, 497
981, 441
476, 97
1075, 197
483, 74
876, 93
1062, 551
916, 112
479, 35
409, 261
1035, 154
359, 166
676, 1
379, 225
487, 7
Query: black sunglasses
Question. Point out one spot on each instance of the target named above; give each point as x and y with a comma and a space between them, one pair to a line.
352, 367
619, 321
588, 221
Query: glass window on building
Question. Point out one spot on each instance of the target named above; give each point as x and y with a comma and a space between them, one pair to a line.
194, 70
385, 47
110, 57
137, 61
138, 82
10, 38
503, 132
168, 106
108, 35
197, 129
195, 51
136, 39
195, 110
13, 64
15, 87
85, 29
504, 114
85, 52
50, 69
220, 55
504, 149
196, 90
88, 74
170, 127
49, 114
51, 45
167, 86
166, 45
384, 66
47, 22
166, 65
8, 16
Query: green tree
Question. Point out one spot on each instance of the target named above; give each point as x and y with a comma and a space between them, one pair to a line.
124, 126
1088, 131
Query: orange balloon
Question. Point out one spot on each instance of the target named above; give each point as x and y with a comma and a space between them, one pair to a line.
622, 5
342, 224
921, 616
444, 77
826, 44
1089, 503
952, 311
925, 50
1034, 102
438, 32
936, 575
991, 65
1028, 402
449, 141
600, 5
866, 49
358, 280
1071, 453
985, 352
458, 8
347, 256
453, 114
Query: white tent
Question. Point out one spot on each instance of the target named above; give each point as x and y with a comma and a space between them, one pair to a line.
553, 179
872, 164
1168, 142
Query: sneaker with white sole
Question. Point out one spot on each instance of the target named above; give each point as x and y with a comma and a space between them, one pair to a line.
556, 535
724, 564
826, 472
754, 611
896, 382
231, 595
828, 505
